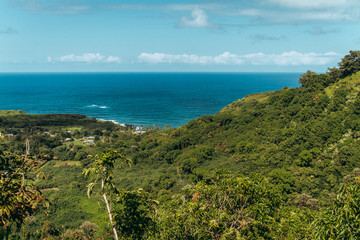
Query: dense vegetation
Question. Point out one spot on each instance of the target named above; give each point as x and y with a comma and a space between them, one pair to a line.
275, 165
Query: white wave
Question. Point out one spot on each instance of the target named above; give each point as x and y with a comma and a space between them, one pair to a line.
114, 121
97, 106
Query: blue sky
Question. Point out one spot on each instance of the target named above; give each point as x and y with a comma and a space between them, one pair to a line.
176, 36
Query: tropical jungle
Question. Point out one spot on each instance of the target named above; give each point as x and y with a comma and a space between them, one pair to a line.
274, 165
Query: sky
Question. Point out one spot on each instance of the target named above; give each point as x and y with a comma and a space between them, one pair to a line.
176, 36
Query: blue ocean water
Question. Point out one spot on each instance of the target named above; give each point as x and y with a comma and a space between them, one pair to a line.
170, 99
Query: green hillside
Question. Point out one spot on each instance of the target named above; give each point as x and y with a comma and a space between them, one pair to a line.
275, 165
11, 120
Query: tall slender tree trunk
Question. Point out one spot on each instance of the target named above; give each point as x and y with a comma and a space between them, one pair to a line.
108, 208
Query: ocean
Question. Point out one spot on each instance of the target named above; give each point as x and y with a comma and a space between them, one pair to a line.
164, 99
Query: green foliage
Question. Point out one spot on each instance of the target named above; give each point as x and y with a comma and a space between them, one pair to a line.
19, 196
227, 208
102, 167
283, 179
307, 79
342, 219
244, 147
132, 214
305, 158
350, 64
11, 112
89, 229
19, 119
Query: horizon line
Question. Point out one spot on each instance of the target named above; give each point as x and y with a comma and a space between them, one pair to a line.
148, 72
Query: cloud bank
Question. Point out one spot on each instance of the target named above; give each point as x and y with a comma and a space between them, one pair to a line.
86, 58
292, 58
319, 4
280, 11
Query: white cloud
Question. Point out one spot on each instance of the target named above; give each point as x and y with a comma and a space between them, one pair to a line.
156, 58
292, 58
228, 59
199, 19
324, 16
112, 59
319, 4
277, 16
86, 58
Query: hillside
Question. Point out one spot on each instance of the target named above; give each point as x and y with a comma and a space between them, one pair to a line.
10, 120
309, 135
288, 153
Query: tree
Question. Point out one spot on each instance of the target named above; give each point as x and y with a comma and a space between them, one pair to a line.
304, 159
227, 208
102, 167
89, 228
132, 214
307, 79
350, 64
19, 197
283, 179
